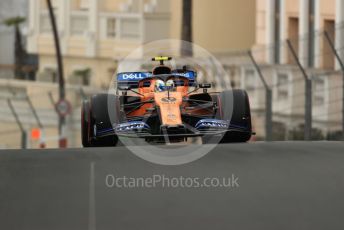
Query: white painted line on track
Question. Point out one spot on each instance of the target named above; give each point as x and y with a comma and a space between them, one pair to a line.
92, 202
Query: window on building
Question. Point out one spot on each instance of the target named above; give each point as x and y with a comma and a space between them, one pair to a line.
319, 91
49, 74
327, 54
79, 24
293, 35
282, 86
249, 80
111, 28
81, 76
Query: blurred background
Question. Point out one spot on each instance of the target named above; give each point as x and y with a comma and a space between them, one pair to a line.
287, 54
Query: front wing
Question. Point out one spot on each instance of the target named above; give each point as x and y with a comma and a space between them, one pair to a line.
141, 133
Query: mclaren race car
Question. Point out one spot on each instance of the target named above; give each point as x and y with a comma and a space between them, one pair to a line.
165, 105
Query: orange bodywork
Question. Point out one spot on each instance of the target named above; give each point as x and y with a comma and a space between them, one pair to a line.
170, 103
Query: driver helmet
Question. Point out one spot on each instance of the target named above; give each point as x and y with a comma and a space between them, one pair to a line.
170, 84
159, 85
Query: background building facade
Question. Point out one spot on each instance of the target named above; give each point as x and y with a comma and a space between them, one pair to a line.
96, 33
303, 23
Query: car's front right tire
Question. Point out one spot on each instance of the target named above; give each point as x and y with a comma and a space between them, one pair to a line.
241, 115
233, 105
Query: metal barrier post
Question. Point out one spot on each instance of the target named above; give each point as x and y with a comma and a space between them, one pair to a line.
34, 112
20, 125
268, 100
342, 69
268, 118
308, 94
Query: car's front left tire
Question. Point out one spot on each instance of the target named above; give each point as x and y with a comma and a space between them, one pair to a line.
85, 125
99, 113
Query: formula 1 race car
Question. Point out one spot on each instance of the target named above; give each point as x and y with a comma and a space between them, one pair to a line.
165, 106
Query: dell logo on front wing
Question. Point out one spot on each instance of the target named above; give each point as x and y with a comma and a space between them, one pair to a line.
132, 76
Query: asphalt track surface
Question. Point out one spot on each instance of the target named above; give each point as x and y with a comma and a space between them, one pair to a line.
282, 185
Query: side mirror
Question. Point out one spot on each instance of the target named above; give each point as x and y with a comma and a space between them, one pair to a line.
204, 85
124, 87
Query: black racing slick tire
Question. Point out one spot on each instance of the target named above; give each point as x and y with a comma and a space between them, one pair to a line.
233, 106
85, 124
240, 115
103, 113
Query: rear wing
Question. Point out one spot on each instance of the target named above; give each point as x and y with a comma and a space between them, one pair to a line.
131, 79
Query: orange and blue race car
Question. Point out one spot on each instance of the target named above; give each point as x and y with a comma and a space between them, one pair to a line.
165, 105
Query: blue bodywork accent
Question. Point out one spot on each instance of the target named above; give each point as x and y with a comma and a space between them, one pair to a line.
132, 78
211, 123
103, 132
124, 127
218, 124
191, 75
142, 128
132, 125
